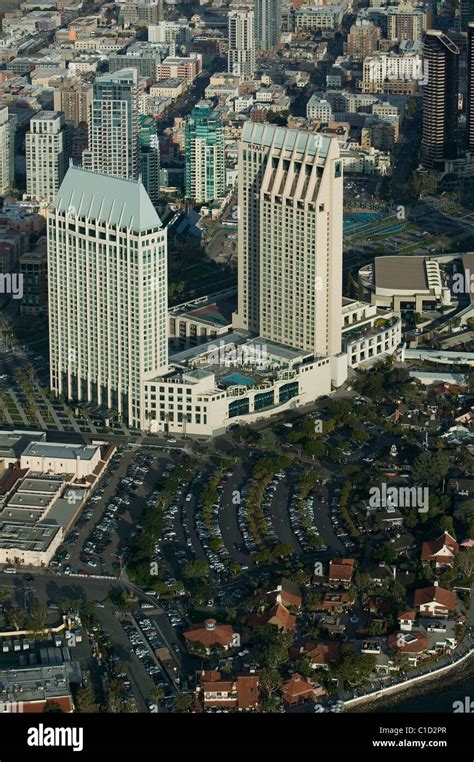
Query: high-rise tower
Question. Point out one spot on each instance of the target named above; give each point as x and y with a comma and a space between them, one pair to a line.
113, 125
45, 155
107, 282
7, 153
290, 238
149, 146
241, 55
440, 100
204, 141
267, 23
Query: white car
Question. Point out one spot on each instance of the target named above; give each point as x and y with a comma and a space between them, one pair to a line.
10, 570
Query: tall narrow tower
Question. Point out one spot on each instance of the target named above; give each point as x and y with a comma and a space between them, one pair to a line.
45, 155
241, 55
440, 100
113, 125
290, 238
267, 23
107, 282
205, 169
7, 153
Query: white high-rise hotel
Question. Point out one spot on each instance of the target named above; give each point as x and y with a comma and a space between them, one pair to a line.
290, 238
241, 55
107, 280
108, 293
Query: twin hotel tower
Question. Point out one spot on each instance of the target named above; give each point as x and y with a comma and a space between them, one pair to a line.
108, 296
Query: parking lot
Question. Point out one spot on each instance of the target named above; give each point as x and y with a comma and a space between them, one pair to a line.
98, 543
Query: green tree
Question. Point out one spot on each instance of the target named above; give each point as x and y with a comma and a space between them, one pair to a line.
271, 680
157, 693
5, 595
16, 618
182, 702
429, 468
85, 699
198, 569
355, 668
447, 524
273, 646
52, 707
37, 617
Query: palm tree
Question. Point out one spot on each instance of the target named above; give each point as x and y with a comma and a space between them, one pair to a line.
5, 595
157, 693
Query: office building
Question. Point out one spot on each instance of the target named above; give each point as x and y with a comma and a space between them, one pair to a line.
321, 16
74, 99
113, 125
440, 100
241, 53
318, 109
176, 33
45, 155
7, 150
204, 145
140, 12
290, 238
363, 39
404, 22
267, 24
142, 56
107, 285
180, 67
149, 147
286, 337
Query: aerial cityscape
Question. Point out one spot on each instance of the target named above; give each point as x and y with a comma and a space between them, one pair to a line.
237, 359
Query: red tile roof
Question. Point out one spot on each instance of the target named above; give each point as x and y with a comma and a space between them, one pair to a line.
210, 634
436, 594
341, 569
248, 691
322, 653
277, 615
431, 548
299, 688
408, 615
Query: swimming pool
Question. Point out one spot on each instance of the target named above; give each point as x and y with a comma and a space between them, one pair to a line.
238, 378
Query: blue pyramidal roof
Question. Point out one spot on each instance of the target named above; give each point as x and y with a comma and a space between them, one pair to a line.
112, 200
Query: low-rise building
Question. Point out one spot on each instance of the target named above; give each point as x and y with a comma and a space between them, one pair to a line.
442, 551
340, 572
187, 68
35, 689
435, 601
367, 334
299, 689
210, 634
407, 282
241, 693
169, 88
